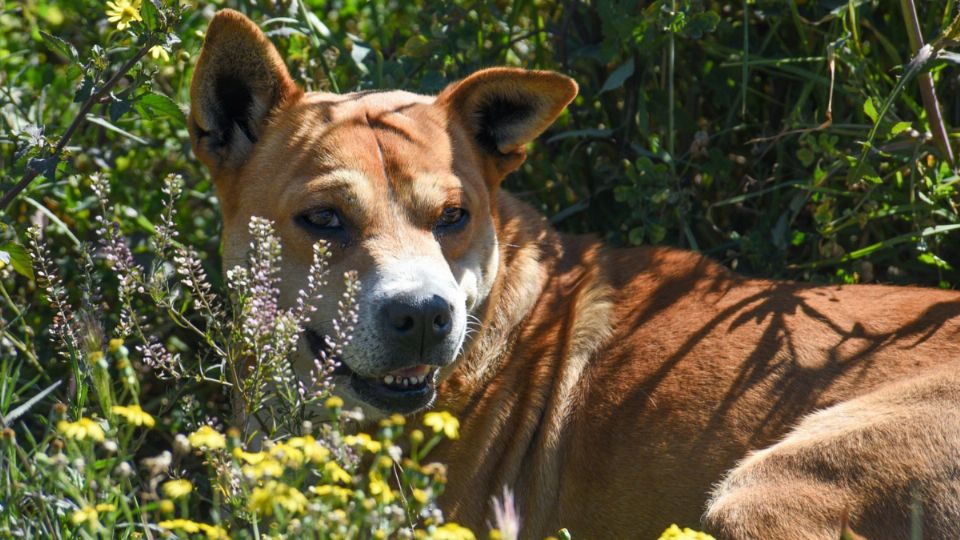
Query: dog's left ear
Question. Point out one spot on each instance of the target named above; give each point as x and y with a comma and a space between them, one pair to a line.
502, 109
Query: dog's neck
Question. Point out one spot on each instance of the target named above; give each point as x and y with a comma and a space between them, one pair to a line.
549, 292
527, 256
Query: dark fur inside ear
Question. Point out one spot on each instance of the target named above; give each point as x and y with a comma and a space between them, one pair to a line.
502, 109
495, 118
236, 107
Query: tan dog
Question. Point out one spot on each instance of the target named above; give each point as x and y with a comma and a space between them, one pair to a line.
613, 390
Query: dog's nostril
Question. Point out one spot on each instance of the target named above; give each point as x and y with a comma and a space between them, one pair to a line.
404, 325
441, 323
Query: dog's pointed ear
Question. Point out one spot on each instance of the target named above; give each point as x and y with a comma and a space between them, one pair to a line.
502, 109
239, 80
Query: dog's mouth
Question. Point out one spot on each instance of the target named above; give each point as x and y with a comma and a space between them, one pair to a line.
403, 390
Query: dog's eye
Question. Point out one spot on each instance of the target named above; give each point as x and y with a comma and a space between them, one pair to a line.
452, 218
324, 219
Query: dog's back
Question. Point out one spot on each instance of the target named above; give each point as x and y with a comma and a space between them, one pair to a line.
640, 376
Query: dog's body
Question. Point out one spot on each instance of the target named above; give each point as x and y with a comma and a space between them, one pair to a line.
611, 389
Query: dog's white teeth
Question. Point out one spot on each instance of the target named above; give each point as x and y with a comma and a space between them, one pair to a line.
388, 379
406, 381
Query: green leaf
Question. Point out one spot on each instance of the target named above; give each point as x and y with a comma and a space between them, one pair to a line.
899, 128
152, 16
153, 104
870, 110
933, 260
16, 256
104, 123
65, 49
618, 77
700, 24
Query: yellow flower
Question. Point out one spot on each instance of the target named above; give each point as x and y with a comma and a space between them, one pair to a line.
674, 533
134, 415
337, 473
364, 440
379, 489
212, 532
184, 525
249, 457
312, 450
443, 421
266, 468
82, 429
333, 402
174, 489
393, 420
115, 345
95, 357
123, 12
329, 490
420, 496
290, 456
263, 499
87, 514
158, 52
452, 531
207, 437
166, 506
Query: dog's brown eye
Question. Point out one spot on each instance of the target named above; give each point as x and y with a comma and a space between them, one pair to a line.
452, 217
324, 218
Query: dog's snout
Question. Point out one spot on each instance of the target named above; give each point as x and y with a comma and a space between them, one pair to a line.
416, 325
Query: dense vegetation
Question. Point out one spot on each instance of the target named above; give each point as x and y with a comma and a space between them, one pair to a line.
786, 139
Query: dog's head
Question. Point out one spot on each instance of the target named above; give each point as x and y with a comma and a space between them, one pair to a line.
401, 186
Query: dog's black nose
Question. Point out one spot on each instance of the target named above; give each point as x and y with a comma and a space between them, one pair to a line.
417, 324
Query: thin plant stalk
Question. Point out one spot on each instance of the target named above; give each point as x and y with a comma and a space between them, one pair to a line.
930, 103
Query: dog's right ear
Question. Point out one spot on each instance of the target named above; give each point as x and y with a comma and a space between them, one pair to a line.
239, 80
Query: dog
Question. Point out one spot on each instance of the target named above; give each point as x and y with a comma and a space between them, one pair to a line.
615, 391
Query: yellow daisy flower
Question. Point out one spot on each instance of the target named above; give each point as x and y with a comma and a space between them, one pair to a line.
105, 507
452, 531
133, 414
212, 532
86, 515
333, 402
158, 53
443, 422
185, 525
380, 490
263, 499
312, 450
249, 457
364, 440
174, 489
82, 429
123, 12
207, 437
329, 490
263, 469
337, 473
675, 533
